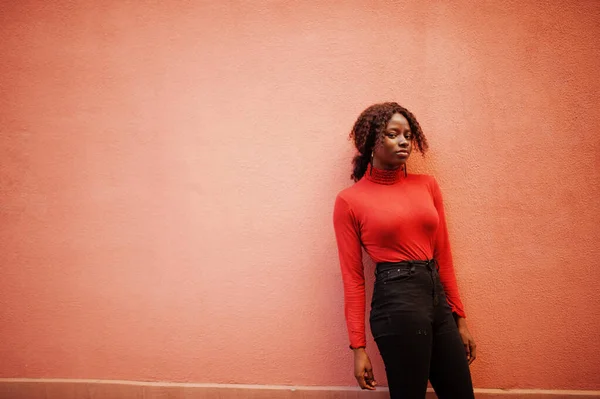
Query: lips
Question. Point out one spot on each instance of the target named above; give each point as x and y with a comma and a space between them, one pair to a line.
402, 152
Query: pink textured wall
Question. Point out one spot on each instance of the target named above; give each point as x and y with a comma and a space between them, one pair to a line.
168, 170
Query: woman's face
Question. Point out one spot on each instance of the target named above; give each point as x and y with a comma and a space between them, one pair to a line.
393, 149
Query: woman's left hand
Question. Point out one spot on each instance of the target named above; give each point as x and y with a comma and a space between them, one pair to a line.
468, 341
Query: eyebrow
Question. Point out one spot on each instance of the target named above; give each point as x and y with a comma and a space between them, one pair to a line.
399, 129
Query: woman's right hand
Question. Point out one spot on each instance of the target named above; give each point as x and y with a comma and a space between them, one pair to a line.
363, 371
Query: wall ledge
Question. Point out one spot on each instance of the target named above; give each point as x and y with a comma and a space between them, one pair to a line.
56, 388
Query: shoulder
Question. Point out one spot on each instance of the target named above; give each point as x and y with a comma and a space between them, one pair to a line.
351, 199
342, 208
428, 180
349, 194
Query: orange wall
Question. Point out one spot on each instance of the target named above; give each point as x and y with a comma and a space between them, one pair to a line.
168, 171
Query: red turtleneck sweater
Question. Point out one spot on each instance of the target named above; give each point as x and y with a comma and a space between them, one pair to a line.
393, 218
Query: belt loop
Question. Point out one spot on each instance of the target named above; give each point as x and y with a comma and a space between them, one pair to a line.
430, 264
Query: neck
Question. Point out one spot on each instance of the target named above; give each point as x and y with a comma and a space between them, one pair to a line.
385, 176
378, 165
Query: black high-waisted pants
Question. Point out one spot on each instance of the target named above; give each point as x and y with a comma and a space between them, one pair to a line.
416, 334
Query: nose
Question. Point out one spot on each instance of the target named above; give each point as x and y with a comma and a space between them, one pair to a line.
402, 142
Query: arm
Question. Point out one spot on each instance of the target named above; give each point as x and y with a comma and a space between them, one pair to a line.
347, 234
442, 253
444, 257
350, 255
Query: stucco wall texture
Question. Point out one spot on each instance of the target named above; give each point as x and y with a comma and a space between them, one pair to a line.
168, 171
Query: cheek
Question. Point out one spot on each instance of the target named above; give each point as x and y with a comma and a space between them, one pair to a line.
382, 148
388, 144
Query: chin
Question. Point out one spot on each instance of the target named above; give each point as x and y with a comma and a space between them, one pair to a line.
399, 163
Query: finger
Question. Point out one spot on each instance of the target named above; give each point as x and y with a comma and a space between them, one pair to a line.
473, 351
468, 351
370, 378
362, 383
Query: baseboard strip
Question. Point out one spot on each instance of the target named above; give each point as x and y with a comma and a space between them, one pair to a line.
29, 388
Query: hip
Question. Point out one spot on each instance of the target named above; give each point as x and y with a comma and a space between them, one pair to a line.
405, 293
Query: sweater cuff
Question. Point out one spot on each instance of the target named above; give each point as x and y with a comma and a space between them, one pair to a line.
357, 341
459, 312
357, 347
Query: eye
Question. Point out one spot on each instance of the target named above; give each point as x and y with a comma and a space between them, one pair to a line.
408, 136
391, 135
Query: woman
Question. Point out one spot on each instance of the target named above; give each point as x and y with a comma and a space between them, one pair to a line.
417, 318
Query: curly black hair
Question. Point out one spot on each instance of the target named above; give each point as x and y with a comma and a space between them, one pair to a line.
369, 128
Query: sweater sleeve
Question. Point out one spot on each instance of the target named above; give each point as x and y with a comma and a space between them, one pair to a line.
443, 255
350, 255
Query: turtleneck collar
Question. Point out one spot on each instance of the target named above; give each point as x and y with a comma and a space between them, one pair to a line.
384, 176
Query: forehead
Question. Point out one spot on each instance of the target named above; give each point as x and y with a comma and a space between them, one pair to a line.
398, 121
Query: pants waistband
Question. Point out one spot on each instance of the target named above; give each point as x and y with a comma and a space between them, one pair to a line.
430, 264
